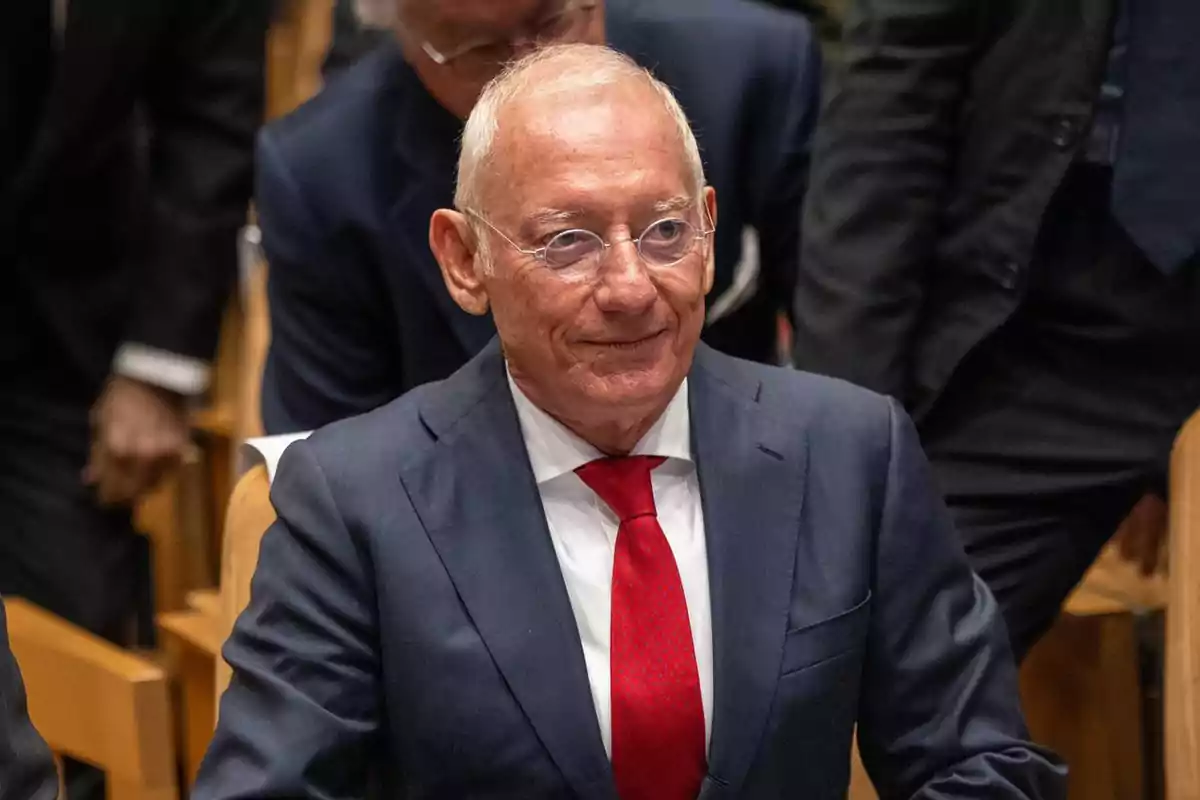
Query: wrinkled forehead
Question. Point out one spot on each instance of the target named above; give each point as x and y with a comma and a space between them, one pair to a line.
561, 146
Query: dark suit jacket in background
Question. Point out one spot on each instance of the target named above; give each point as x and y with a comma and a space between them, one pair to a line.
27, 770
825, 15
347, 185
121, 223
409, 615
919, 232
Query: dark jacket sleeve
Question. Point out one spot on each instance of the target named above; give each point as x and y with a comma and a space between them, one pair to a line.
300, 715
203, 101
27, 770
789, 118
329, 357
882, 158
940, 712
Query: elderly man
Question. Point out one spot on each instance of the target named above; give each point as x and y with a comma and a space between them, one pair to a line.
603, 560
346, 185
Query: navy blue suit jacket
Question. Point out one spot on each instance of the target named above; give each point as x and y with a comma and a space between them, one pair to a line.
408, 615
347, 184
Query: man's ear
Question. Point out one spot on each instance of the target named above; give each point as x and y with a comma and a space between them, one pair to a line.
710, 209
457, 253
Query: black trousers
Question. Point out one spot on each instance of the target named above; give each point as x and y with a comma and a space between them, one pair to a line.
1052, 429
58, 547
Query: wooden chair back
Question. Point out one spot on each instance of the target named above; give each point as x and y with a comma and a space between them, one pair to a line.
96, 702
250, 514
296, 46
1182, 681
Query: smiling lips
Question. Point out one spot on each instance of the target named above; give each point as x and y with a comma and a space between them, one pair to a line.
628, 344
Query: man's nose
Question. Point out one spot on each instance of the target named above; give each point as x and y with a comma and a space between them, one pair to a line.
625, 286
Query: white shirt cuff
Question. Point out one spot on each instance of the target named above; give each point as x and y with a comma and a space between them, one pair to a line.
180, 374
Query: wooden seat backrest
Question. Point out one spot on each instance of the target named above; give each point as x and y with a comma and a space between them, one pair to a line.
94, 701
250, 514
1182, 684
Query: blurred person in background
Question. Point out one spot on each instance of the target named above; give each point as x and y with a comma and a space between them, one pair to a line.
359, 26
346, 185
825, 15
1002, 231
125, 173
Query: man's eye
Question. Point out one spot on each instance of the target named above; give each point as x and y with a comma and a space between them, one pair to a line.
666, 231
565, 238
568, 247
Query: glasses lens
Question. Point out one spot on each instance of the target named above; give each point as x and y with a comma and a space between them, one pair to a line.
666, 242
570, 248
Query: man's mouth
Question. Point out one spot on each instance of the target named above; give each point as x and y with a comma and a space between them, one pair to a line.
628, 343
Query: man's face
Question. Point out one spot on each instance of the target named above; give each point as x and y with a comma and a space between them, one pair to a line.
475, 38
620, 333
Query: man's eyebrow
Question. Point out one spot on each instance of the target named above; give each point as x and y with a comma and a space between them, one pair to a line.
676, 203
547, 216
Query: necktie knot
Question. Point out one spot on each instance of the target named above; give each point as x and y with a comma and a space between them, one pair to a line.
623, 484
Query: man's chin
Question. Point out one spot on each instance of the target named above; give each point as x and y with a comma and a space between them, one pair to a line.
634, 387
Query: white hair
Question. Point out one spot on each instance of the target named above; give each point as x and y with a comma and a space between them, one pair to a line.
552, 70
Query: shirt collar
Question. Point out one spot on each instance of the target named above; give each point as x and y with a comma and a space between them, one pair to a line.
554, 450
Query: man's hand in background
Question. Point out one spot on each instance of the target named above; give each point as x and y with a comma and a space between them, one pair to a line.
1142, 537
139, 431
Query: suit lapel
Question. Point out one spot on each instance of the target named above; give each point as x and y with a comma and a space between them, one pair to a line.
424, 146
479, 503
752, 478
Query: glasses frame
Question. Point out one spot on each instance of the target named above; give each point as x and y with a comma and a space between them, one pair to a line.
539, 253
447, 58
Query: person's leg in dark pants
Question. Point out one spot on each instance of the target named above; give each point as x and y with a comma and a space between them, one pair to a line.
1041, 453
58, 548
1052, 429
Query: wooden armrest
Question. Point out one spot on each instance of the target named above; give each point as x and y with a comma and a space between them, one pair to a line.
205, 601
197, 629
1115, 586
217, 420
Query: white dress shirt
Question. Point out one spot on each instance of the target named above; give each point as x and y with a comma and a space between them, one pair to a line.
584, 533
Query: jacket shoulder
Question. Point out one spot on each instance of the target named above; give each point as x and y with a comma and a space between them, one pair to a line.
333, 129
358, 452
819, 407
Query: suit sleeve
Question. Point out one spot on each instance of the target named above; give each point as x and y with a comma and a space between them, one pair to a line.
27, 769
204, 104
940, 713
881, 165
329, 357
792, 113
300, 716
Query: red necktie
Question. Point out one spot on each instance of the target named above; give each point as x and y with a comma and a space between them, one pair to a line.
658, 750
